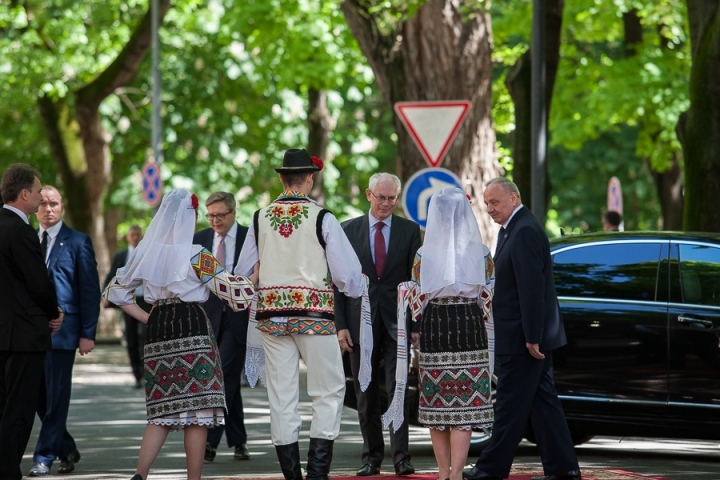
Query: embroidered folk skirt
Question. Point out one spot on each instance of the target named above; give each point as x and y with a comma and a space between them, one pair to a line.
454, 383
183, 375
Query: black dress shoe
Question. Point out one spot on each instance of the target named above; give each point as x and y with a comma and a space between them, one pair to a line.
137, 476
210, 452
67, 465
404, 467
571, 475
368, 470
476, 474
241, 452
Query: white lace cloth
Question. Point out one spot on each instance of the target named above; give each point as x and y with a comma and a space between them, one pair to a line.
208, 417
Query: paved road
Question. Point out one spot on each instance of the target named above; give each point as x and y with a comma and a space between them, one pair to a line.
107, 418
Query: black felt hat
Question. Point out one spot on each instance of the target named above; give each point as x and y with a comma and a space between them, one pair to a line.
299, 161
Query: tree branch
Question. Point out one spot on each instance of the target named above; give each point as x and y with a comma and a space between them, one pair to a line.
126, 64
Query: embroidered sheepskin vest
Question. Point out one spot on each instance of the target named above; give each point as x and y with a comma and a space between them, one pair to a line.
299, 284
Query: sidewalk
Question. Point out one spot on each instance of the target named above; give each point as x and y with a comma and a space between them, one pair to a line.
107, 420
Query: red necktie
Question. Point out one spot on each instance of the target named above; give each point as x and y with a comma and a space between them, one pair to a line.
380, 253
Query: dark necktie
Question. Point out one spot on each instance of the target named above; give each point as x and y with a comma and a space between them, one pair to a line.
501, 237
380, 253
43, 245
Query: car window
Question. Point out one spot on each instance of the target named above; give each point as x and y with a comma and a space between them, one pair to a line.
625, 271
700, 274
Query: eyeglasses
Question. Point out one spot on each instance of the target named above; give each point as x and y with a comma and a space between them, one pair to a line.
217, 216
383, 198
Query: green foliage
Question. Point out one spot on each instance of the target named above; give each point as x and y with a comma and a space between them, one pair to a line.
610, 111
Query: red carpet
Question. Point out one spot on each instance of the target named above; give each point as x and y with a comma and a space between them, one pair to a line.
516, 474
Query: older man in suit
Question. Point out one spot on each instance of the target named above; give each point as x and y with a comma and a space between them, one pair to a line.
28, 302
528, 327
224, 239
134, 329
386, 245
70, 260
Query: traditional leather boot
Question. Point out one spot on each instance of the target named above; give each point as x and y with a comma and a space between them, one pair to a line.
289, 458
319, 459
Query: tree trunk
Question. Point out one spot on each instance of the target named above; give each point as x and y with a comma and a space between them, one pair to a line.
668, 183
518, 83
698, 128
319, 122
80, 145
442, 53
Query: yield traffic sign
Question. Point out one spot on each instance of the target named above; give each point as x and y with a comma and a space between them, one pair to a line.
433, 125
420, 187
151, 183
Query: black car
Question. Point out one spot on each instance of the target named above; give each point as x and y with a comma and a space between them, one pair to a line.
642, 317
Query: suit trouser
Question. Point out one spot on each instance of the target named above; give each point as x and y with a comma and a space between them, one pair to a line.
135, 340
369, 408
20, 379
53, 406
526, 389
325, 385
232, 356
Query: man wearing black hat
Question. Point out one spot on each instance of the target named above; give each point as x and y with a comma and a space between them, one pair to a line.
302, 251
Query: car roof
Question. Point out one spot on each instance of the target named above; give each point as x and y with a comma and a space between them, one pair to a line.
634, 235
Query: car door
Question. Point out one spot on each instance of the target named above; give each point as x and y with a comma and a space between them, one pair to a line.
615, 363
694, 337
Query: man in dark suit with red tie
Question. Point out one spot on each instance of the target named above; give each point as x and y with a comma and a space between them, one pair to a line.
225, 239
385, 245
29, 317
528, 327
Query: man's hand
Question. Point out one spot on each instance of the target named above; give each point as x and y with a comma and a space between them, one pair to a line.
56, 323
86, 346
534, 350
345, 340
415, 339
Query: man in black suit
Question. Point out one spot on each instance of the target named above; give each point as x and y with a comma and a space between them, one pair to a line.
528, 328
29, 317
225, 239
134, 329
386, 245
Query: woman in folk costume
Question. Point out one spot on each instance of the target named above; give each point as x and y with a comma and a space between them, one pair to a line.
454, 275
183, 376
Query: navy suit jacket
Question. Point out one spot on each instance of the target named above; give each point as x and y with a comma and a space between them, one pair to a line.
213, 307
402, 247
27, 297
525, 305
73, 271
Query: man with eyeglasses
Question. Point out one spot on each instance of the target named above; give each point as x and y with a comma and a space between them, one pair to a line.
386, 245
224, 239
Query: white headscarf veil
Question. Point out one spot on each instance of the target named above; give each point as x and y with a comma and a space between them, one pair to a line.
453, 251
163, 255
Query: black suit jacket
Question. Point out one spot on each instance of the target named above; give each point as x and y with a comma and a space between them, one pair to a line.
525, 305
27, 295
213, 307
404, 243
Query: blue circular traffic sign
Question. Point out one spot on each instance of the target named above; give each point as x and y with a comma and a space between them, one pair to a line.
421, 186
151, 183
